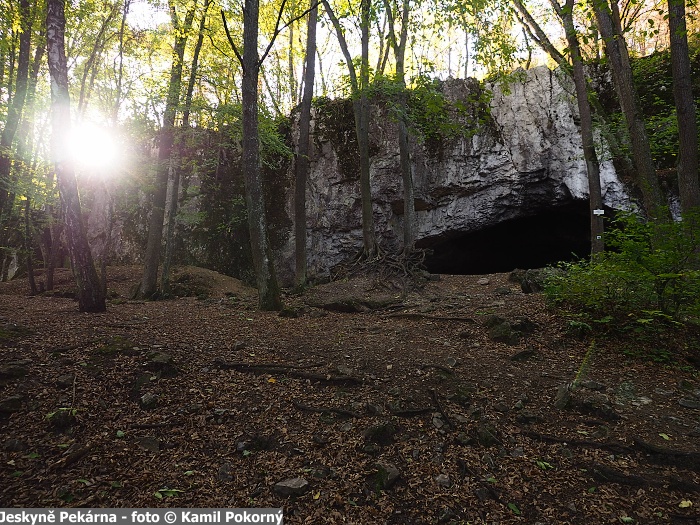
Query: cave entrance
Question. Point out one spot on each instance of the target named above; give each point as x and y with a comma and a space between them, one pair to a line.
560, 234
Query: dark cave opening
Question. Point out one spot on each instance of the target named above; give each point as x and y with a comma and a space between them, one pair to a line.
559, 234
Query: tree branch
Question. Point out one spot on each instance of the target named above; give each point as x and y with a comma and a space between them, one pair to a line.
230, 40
278, 29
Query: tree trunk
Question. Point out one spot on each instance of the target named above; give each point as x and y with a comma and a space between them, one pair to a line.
399, 46
268, 287
616, 50
14, 111
361, 113
149, 282
368, 236
177, 165
584, 108
90, 296
28, 247
303, 150
688, 185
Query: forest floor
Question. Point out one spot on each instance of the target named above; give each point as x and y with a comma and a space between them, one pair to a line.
358, 404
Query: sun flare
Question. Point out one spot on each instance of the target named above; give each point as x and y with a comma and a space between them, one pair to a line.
92, 146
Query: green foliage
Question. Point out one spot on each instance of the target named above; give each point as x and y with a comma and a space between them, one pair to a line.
654, 83
650, 281
273, 146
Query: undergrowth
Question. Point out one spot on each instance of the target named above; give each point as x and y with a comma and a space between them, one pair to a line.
646, 288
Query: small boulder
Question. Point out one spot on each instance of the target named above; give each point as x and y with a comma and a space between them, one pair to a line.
11, 404
291, 487
386, 475
148, 401
381, 434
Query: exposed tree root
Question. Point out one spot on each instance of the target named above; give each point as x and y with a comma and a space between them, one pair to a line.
669, 456
616, 448
289, 371
400, 271
413, 315
327, 410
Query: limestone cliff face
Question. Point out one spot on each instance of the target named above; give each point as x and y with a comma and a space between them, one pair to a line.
525, 160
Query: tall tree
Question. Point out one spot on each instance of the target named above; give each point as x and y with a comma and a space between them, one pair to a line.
177, 167
14, 113
149, 282
566, 14
303, 150
608, 21
90, 294
688, 185
398, 44
361, 112
576, 70
268, 287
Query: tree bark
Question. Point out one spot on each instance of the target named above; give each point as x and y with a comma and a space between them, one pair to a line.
399, 47
584, 108
303, 150
268, 287
688, 185
90, 295
14, 111
368, 236
28, 246
177, 165
616, 50
361, 113
149, 282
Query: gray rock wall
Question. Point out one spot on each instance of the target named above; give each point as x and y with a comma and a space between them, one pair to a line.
526, 160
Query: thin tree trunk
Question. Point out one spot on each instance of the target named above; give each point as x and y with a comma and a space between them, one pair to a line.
268, 287
149, 282
688, 185
303, 151
368, 235
28, 248
177, 166
120, 69
361, 113
399, 46
616, 50
90, 296
14, 112
584, 108
290, 56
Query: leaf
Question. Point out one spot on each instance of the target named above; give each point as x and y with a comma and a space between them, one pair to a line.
84, 482
491, 479
665, 436
626, 519
272, 380
32, 455
17, 473
116, 484
247, 453
592, 490
514, 508
167, 492
685, 504
189, 473
317, 495
120, 434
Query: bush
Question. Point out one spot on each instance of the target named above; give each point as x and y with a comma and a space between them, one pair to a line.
651, 276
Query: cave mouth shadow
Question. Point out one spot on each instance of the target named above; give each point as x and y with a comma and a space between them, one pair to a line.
550, 236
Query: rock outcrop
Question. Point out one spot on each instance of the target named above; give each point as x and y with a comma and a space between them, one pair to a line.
526, 159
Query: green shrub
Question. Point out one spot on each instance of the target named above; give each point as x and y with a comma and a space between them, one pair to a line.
650, 278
